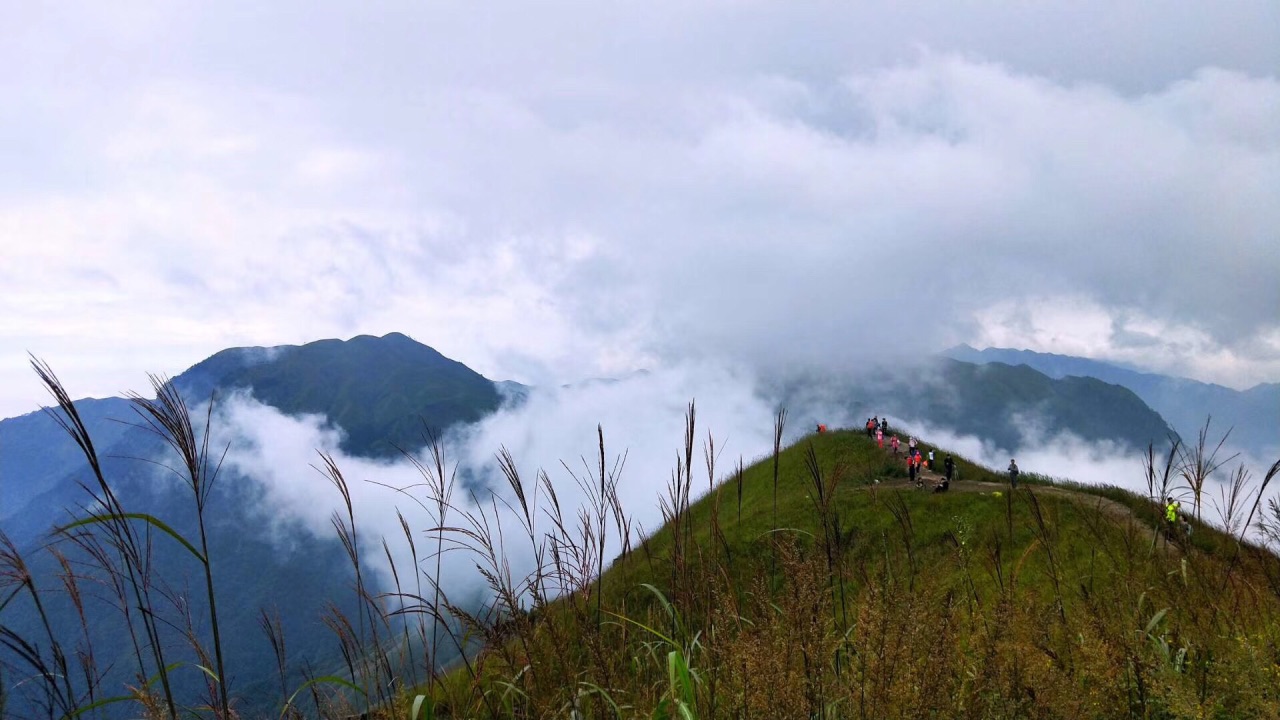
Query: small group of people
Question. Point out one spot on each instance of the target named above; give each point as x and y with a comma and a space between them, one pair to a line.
917, 462
876, 428
913, 467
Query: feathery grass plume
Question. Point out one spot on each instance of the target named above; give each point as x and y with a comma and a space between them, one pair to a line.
404, 646
53, 670
134, 552
1231, 501
440, 481
419, 624
1271, 474
274, 630
168, 417
364, 652
1239, 478
85, 653
101, 556
1269, 524
1160, 481
1196, 463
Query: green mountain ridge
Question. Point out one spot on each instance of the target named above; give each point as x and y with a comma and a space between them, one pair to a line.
1010, 407
383, 392
1253, 415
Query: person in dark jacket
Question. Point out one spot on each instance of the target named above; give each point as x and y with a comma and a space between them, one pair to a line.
1013, 473
949, 468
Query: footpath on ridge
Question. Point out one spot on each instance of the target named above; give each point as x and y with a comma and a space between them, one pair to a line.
931, 479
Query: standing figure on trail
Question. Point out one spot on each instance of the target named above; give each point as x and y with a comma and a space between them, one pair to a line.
1013, 473
931, 465
1171, 514
911, 468
880, 438
894, 443
949, 467
884, 424
911, 444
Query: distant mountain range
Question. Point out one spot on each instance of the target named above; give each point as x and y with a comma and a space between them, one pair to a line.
1008, 407
385, 392
1252, 415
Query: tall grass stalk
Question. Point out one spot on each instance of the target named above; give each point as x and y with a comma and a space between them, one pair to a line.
133, 551
168, 418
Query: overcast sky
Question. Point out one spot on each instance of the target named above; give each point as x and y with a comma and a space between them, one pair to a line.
584, 189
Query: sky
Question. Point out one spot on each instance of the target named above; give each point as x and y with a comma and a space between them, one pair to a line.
578, 190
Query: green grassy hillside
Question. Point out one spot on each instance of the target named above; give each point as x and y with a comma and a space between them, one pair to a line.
839, 591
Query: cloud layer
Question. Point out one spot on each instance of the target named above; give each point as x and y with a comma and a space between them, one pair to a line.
577, 191
555, 430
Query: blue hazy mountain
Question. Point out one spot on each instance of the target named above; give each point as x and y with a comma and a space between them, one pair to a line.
1008, 407
382, 392
1252, 415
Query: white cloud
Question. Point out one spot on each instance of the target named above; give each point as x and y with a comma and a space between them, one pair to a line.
642, 418
565, 193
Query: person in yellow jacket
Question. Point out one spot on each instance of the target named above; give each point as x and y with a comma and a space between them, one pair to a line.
1171, 509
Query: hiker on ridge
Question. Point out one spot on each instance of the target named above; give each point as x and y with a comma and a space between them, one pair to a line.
949, 466
894, 443
1171, 509
1013, 473
911, 444
930, 463
880, 438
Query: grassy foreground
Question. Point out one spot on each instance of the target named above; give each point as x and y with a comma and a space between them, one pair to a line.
818, 584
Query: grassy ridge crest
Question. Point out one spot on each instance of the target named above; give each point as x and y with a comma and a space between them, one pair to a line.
856, 595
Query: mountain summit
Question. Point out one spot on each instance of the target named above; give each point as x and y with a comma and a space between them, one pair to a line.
382, 391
